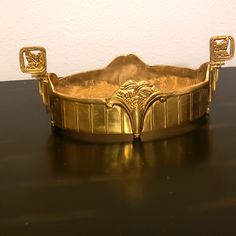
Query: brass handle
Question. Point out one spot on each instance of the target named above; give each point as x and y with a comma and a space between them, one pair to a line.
33, 60
221, 49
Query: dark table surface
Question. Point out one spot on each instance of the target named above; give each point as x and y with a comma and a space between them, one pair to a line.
51, 185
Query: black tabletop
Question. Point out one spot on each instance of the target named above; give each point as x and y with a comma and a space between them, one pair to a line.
51, 185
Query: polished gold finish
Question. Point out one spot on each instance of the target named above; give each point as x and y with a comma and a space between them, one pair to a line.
128, 99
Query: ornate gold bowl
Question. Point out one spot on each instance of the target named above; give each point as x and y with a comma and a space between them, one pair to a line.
128, 99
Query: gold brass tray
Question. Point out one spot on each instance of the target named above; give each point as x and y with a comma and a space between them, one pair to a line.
128, 99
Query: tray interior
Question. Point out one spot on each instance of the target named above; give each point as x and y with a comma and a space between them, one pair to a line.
103, 83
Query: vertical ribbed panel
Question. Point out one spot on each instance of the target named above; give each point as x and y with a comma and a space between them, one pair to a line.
203, 101
165, 113
190, 106
63, 113
184, 108
77, 116
91, 118
127, 124
178, 110
147, 120
84, 116
172, 111
99, 119
114, 120
158, 115
196, 105
56, 111
106, 119
69, 117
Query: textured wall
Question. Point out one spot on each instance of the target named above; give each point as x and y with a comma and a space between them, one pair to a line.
87, 34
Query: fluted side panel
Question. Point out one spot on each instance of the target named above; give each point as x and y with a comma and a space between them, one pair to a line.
89, 118
176, 110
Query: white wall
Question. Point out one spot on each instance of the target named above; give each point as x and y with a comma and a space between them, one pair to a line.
82, 35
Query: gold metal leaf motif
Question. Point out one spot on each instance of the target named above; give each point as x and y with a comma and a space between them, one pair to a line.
134, 96
135, 93
35, 60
